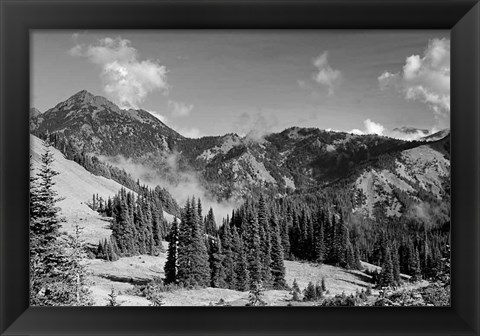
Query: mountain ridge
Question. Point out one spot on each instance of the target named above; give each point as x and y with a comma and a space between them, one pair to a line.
230, 166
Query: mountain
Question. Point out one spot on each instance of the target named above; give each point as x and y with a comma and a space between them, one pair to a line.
411, 130
92, 124
371, 171
295, 159
413, 182
436, 136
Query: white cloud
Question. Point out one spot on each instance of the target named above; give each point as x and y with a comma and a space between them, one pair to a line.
370, 127
407, 134
179, 109
426, 79
126, 79
325, 74
255, 126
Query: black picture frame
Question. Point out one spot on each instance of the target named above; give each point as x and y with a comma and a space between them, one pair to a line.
18, 17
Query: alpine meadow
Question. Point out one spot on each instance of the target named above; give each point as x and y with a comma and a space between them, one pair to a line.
240, 168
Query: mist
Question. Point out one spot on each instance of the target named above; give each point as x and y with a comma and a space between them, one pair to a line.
181, 184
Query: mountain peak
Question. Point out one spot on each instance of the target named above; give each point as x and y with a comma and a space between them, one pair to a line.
83, 96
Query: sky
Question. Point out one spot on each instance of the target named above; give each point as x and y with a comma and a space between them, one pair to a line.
213, 82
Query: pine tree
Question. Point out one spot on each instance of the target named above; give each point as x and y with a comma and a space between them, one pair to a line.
396, 267
228, 251
277, 265
295, 288
210, 225
112, 299
310, 293
241, 275
152, 293
265, 243
200, 265
192, 261
319, 240
252, 244
122, 228
415, 270
57, 276
216, 258
349, 262
324, 286
170, 267
386, 275
77, 272
357, 262
284, 230
44, 232
140, 228
255, 296
199, 210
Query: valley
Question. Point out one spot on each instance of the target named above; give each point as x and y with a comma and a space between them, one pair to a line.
303, 204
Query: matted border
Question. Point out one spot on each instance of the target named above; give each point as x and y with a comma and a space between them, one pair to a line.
18, 17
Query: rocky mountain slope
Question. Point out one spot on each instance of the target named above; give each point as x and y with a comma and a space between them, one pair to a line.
376, 171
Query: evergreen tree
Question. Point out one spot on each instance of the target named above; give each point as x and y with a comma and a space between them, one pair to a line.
324, 286
252, 244
76, 271
396, 267
210, 225
295, 287
170, 267
192, 262
310, 293
255, 296
386, 275
199, 210
349, 262
357, 262
112, 299
216, 265
228, 251
241, 275
57, 277
319, 240
415, 270
184, 249
277, 265
265, 243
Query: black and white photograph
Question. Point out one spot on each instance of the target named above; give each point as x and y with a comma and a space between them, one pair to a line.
240, 168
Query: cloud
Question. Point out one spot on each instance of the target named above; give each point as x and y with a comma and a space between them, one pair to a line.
255, 126
126, 79
325, 74
179, 109
182, 184
425, 78
370, 127
404, 133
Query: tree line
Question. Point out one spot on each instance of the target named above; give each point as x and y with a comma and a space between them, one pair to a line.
138, 225
241, 254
